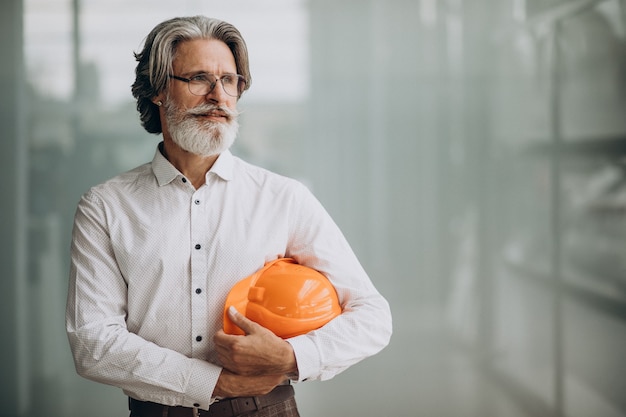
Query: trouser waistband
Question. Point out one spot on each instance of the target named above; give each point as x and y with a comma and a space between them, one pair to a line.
228, 407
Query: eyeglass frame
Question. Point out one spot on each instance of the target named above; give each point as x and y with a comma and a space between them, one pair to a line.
212, 85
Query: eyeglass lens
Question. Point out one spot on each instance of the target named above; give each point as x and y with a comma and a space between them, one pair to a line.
233, 84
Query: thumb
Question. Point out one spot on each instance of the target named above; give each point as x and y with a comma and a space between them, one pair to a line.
241, 321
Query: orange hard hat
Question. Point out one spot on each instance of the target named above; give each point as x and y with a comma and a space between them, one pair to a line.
285, 297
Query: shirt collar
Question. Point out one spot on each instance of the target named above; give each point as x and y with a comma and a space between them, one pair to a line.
165, 172
223, 166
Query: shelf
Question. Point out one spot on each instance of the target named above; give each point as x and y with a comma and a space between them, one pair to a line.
605, 301
587, 147
565, 10
614, 147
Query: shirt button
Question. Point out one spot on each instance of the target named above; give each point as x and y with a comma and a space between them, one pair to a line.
197, 202
198, 290
198, 246
198, 338
196, 405
184, 179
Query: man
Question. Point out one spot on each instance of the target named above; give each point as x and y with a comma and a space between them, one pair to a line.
156, 250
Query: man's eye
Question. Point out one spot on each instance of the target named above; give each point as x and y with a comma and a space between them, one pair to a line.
229, 79
201, 78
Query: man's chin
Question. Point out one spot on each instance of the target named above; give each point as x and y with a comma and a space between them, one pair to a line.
204, 153
207, 151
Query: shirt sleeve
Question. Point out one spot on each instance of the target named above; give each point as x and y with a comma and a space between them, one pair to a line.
103, 348
365, 325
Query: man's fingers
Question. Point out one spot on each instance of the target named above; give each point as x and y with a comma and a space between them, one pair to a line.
245, 324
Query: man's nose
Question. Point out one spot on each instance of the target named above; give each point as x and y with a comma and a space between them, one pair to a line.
217, 93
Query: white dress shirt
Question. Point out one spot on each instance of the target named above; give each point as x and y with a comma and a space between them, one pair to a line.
153, 259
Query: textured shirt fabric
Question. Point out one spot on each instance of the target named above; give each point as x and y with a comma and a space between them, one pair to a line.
152, 260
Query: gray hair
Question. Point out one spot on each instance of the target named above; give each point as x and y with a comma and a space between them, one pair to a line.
155, 60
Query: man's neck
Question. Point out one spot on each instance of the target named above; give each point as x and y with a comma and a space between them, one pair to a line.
192, 166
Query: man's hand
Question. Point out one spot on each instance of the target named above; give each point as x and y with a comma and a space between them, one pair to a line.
232, 385
259, 352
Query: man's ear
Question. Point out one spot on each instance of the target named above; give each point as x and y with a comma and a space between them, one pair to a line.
158, 100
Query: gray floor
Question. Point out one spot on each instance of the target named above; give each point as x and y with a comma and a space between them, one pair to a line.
417, 375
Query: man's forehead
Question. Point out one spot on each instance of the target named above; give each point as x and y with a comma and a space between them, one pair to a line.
196, 54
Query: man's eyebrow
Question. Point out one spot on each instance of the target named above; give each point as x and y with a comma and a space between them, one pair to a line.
190, 74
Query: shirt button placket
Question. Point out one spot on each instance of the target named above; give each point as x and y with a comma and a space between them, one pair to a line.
199, 274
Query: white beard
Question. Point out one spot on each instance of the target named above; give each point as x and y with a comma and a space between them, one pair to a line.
201, 137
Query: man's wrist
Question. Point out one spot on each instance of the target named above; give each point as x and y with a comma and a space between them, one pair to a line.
290, 362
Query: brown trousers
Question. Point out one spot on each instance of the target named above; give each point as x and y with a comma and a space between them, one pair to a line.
287, 408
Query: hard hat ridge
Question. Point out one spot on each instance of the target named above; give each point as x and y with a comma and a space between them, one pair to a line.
285, 297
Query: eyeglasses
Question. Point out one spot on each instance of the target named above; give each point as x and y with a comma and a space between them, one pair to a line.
203, 84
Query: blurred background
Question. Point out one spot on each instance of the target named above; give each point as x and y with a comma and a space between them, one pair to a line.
473, 152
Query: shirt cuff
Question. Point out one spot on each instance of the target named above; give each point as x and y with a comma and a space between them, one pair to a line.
202, 381
307, 357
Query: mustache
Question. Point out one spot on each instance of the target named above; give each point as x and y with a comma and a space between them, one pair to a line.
203, 109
